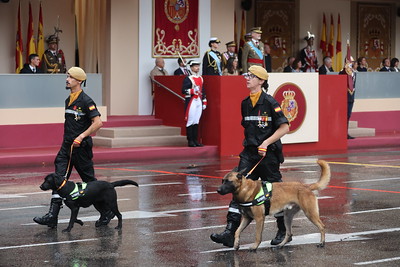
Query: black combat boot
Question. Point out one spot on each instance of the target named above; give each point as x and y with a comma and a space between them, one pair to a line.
51, 218
105, 218
280, 235
196, 134
189, 136
227, 237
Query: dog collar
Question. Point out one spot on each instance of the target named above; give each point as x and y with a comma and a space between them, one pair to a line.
62, 184
263, 195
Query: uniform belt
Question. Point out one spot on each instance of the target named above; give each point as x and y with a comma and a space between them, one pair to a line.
255, 60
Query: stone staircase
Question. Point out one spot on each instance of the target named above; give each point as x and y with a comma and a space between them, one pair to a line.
356, 131
139, 136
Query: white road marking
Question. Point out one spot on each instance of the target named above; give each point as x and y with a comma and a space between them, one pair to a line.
49, 244
372, 180
315, 239
6, 196
21, 208
368, 211
377, 261
196, 194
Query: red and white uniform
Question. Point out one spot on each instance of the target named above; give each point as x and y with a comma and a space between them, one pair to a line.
195, 98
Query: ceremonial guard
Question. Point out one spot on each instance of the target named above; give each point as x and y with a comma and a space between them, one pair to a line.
308, 56
231, 52
212, 64
253, 51
53, 60
195, 103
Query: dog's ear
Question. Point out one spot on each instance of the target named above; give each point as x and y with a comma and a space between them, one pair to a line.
240, 174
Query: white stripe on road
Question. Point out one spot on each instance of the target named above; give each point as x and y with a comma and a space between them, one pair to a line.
21, 208
49, 244
377, 261
372, 180
368, 211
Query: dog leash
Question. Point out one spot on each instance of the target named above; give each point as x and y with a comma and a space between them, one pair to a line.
260, 149
69, 165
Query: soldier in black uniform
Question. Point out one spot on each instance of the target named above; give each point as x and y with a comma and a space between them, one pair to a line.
212, 61
53, 60
81, 120
264, 124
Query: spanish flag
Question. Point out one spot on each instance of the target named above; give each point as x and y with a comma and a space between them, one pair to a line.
331, 44
40, 36
339, 61
19, 62
322, 43
30, 44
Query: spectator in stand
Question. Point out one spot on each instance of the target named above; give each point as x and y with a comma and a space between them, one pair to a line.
327, 67
297, 65
386, 65
394, 65
158, 69
362, 64
182, 70
289, 68
231, 67
33, 66
267, 57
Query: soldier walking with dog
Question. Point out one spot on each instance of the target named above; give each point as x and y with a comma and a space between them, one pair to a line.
82, 119
264, 125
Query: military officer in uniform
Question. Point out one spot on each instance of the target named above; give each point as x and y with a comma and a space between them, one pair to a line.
308, 55
53, 60
230, 52
212, 62
253, 51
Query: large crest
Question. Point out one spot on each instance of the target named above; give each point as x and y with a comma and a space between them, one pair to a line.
293, 104
176, 11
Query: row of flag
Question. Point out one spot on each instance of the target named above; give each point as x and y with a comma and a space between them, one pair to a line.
328, 48
31, 46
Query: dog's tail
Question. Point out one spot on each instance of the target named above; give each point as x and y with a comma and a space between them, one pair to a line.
325, 176
124, 182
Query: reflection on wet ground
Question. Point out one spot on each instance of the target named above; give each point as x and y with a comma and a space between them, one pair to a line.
168, 219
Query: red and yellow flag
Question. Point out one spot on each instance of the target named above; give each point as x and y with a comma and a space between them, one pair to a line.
19, 62
331, 37
322, 43
339, 61
30, 44
40, 36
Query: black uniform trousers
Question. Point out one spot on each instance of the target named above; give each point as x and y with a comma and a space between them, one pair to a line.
81, 159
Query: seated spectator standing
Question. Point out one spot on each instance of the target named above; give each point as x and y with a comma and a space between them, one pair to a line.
394, 65
32, 66
327, 67
289, 68
182, 70
362, 64
386, 65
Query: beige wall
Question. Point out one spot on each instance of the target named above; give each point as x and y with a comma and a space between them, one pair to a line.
123, 93
222, 21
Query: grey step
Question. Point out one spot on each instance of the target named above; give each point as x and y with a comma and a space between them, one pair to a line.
172, 140
360, 132
137, 131
353, 124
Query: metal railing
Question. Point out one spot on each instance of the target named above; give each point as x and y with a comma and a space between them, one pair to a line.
166, 88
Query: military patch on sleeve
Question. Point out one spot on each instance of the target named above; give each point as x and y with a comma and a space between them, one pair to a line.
92, 107
278, 109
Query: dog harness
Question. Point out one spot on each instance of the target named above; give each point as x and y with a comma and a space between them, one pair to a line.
263, 196
78, 191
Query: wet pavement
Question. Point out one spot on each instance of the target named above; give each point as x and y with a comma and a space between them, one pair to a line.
167, 221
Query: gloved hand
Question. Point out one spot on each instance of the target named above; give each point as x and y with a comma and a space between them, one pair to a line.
204, 107
196, 90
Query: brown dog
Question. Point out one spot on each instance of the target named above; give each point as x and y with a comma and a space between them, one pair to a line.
289, 197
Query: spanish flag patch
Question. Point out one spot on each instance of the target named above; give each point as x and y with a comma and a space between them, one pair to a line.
92, 107
278, 109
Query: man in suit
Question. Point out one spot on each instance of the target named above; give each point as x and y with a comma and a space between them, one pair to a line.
327, 67
182, 70
386, 65
289, 67
253, 50
212, 61
33, 65
158, 69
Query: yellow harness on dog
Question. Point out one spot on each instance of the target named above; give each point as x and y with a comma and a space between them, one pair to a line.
78, 191
263, 195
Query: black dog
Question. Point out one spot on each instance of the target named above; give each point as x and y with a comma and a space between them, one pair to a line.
100, 194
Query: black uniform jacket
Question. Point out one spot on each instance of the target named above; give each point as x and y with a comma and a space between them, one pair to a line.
78, 116
262, 120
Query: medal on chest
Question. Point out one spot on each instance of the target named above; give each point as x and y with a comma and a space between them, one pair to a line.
262, 119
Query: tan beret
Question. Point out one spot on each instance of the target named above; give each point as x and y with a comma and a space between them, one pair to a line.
259, 71
77, 73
